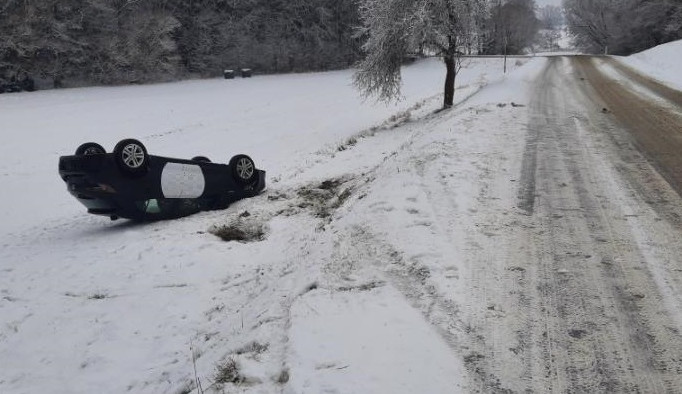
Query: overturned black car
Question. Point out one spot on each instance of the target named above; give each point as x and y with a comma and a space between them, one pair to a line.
129, 183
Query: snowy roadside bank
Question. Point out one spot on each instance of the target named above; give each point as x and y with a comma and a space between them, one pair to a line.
661, 62
421, 231
325, 298
377, 298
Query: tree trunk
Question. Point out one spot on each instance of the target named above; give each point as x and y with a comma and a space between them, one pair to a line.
450, 74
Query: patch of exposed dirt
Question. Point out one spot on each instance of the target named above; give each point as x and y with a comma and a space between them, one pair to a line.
363, 287
241, 229
324, 198
228, 372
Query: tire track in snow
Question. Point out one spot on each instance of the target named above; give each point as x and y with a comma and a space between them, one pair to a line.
605, 329
443, 314
428, 160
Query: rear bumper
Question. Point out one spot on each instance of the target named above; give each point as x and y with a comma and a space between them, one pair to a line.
260, 185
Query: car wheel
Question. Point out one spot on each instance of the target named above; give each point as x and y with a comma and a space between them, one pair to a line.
90, 148
203, 159
131, 156
243, 169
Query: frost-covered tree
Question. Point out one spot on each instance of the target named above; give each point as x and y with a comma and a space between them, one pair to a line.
395, 28
101, 41
595, 23
623, 26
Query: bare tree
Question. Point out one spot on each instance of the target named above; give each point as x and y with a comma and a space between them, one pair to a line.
394, 28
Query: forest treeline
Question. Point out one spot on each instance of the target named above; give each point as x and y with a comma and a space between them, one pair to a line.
623, 27
85, 42
82, 42
68, 42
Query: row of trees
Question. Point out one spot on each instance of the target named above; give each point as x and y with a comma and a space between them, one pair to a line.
551, 28
444, 28
114, 41
395, 28
623, 27
447, 27
551, 17
74, 42
71, 42
510, 28
119, 41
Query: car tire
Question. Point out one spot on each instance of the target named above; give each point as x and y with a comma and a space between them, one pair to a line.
202, 159
90, 148
131, 157
243, 169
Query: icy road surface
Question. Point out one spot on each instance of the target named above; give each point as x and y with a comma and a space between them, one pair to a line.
526, 240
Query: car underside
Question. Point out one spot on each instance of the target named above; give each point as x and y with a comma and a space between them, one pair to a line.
129, 183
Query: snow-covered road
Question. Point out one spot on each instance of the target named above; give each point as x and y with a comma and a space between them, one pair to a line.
591, 280
517, 242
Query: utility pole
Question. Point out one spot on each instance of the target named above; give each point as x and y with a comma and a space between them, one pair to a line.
505, 54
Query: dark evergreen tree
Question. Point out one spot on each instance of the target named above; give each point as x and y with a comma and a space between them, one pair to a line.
121, 41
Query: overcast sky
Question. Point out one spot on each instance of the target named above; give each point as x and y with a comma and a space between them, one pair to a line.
542, 3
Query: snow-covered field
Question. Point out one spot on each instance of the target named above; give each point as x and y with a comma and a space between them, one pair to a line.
661, 62
279, 120
88, 305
